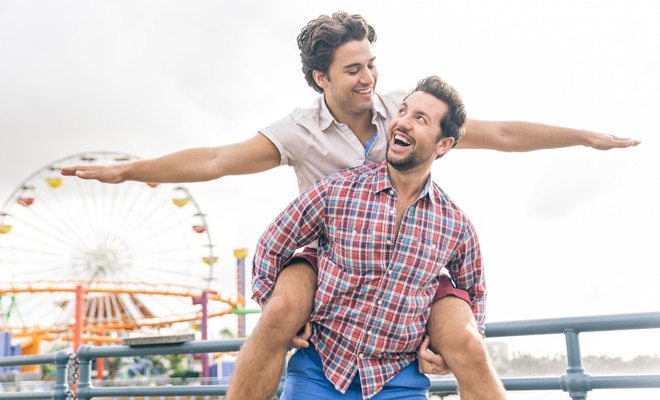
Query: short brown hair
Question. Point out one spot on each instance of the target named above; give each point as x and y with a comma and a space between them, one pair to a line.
453, 123
318, 40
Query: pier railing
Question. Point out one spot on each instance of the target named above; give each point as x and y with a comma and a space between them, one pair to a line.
576, 381
60, 390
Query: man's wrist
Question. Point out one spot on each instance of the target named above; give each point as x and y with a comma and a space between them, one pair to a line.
124, 171
585, 138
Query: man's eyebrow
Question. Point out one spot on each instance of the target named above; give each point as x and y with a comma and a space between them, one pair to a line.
357, 65
424, 114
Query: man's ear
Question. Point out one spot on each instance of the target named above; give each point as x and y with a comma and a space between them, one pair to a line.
320, 79
444, 145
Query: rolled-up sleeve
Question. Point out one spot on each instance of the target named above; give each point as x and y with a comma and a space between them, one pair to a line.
298, 225
466, 269
290, 139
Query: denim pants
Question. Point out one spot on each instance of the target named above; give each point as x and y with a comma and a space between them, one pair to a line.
305, 380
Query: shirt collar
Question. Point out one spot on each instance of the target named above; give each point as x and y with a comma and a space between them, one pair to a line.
382, 182
378, 109
326, 118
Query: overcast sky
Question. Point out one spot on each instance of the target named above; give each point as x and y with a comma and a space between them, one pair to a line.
565, 232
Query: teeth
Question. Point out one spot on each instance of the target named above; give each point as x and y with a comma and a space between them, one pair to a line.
401, 139
364, 91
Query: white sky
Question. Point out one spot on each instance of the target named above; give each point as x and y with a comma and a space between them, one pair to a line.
566, 232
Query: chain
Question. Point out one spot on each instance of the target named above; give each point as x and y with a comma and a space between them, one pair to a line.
74, 374
74, 368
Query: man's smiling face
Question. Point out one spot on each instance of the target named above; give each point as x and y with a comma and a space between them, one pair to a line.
415, 133
351, 79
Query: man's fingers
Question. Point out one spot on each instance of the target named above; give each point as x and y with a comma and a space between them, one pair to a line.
422, 365
621, 143
302, 337
88, 175
434, 359
305, 332
429, 362
428, 356
425, 344
71, 171
607, 142
82, 171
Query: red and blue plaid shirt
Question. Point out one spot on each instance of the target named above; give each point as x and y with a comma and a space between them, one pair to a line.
375, 287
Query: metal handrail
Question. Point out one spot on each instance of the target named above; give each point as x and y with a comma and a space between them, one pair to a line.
60, 389
576, 382
87, 353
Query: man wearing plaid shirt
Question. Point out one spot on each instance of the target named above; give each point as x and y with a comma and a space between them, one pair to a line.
385, 232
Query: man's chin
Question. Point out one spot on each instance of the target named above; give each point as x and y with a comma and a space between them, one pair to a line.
364, 104
399, 165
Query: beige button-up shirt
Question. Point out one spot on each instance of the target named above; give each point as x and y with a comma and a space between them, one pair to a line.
316, 145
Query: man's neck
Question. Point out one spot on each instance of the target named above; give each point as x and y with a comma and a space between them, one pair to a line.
359, 122
409, 183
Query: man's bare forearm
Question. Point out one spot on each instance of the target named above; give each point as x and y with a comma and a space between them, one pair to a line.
192, 165
519, 136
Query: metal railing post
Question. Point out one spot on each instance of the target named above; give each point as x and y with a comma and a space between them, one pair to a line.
85, 371
575, 382
61, 388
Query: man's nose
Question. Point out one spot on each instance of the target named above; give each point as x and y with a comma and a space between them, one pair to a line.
405, 122
367, 77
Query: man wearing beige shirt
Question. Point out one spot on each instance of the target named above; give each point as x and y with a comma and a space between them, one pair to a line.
344, 128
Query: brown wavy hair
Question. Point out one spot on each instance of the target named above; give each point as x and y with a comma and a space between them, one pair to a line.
453, 123
318, 40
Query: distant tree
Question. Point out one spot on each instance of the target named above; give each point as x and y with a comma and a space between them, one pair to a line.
226, 333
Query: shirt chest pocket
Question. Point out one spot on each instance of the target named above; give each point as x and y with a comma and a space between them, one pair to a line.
358, 250
423, 261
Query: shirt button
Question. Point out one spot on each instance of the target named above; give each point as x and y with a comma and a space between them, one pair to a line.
392, 192
389, 242
380, 302
369, 333
389, 272
354, 233
433, 246
361, 355
391, 211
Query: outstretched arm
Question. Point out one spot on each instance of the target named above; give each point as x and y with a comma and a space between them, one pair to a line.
528, 136
192, 165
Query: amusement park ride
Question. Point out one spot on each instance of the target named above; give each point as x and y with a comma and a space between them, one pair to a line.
86, 262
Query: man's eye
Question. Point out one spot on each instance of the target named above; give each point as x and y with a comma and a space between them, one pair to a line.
421, 119
353, 72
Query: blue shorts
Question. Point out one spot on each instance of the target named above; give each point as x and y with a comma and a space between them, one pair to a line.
305, 380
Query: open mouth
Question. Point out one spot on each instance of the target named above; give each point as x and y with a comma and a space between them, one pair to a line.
366, 91
399, 140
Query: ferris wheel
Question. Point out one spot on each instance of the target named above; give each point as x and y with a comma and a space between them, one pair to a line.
142, 253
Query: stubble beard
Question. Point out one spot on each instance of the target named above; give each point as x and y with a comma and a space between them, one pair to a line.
406, 163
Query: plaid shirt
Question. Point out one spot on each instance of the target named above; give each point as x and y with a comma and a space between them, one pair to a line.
374, 292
